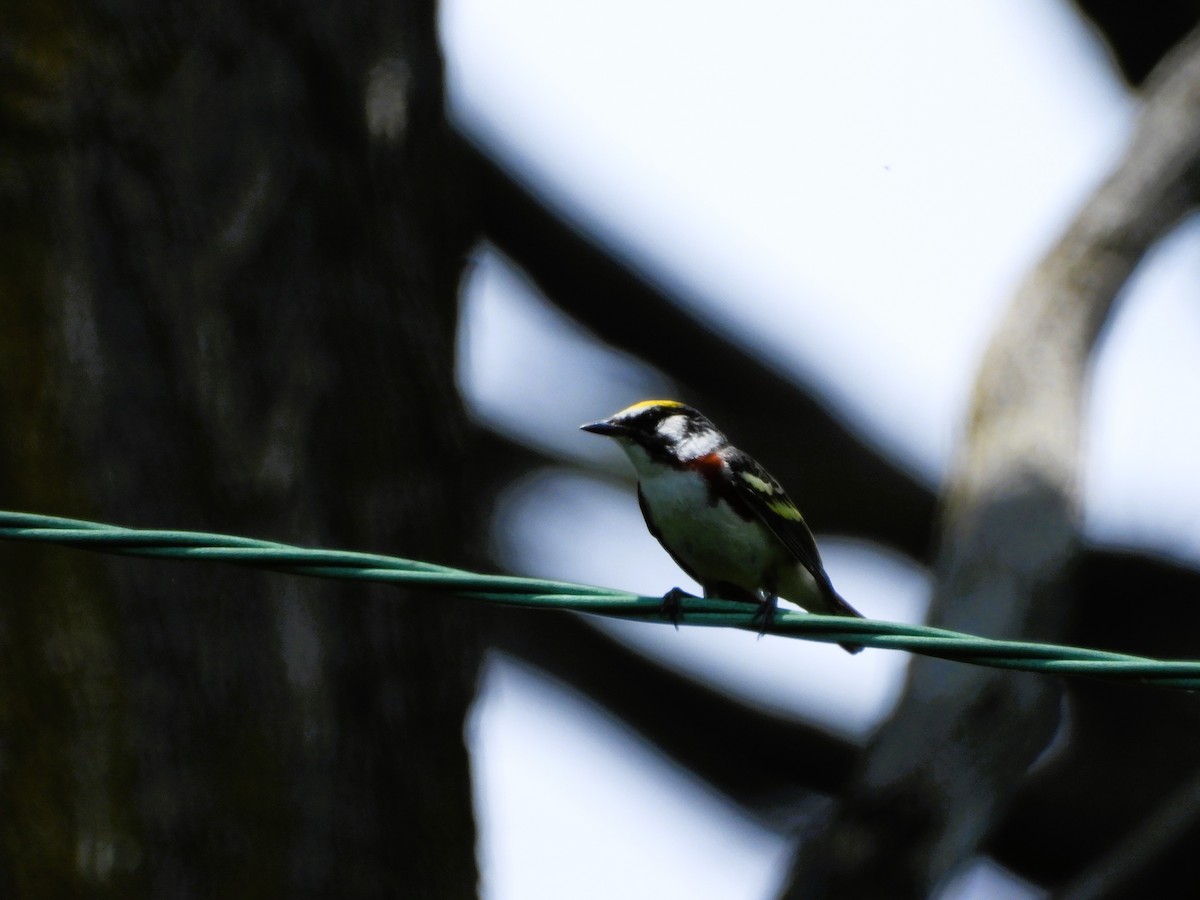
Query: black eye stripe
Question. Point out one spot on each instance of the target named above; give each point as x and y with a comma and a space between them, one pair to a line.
645, 424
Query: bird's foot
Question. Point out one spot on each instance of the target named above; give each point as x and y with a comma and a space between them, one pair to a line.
764, 616
672, 605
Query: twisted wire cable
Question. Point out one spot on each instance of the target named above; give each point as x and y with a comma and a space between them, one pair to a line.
540, 593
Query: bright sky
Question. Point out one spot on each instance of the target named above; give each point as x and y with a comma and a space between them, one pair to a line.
856, 189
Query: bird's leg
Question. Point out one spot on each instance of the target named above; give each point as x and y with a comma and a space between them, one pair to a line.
672, 605
765, 615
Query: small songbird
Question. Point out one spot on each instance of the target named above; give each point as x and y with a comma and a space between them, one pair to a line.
719, 514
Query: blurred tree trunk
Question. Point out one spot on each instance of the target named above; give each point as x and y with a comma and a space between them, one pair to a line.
232, 236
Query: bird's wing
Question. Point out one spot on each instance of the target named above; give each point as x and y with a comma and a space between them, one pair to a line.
775, 509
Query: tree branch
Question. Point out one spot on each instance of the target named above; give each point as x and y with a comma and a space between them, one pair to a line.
1176, 822
1127, 749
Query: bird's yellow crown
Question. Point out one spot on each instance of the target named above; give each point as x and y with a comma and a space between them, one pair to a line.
646, 404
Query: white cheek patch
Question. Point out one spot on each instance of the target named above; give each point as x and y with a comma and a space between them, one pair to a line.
689, 446
699, 445
672, 427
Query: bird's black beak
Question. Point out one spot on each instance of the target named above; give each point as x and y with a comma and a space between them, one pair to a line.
606, 427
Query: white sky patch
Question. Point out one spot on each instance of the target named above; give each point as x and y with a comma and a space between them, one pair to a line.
985, 880
1143, 439
575, 830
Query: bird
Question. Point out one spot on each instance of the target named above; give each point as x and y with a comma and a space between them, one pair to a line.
719, 514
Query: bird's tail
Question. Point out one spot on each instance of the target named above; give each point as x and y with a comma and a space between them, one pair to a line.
836, 605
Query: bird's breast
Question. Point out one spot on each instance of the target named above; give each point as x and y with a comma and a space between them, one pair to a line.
703, 529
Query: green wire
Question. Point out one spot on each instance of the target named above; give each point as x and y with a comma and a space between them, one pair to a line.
541, 593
